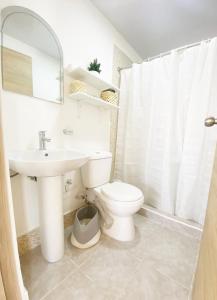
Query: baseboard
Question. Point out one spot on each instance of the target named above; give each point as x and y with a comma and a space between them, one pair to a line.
183, 226
31, 239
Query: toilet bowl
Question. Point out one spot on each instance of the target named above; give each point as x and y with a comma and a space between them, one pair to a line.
117, 201
121, 201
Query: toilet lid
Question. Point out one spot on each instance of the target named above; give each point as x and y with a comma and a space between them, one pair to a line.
120, 191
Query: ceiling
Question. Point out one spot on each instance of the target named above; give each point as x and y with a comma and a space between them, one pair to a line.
156, 26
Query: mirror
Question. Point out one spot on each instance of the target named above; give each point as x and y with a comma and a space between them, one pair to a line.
32, 60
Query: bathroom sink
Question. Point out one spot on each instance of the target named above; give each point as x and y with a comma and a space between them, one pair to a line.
46, 163
49, 166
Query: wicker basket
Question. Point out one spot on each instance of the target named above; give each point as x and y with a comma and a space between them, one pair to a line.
78, 86
110, 96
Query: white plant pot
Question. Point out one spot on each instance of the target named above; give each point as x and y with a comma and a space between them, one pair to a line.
95, 73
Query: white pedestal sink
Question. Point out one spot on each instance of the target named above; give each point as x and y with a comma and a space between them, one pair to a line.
49, 166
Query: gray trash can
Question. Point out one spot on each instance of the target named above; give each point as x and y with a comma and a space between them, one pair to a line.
86, 229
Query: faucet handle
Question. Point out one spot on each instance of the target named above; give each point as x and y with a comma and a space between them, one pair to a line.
42, 140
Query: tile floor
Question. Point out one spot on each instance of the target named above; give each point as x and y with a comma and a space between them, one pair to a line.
158, 264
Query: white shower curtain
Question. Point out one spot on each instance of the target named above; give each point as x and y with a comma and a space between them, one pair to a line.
163, 146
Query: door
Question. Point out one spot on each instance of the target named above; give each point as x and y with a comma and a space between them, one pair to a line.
2, 290
205, 283
11, 286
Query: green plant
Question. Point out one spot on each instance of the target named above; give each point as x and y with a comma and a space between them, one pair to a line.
94, 66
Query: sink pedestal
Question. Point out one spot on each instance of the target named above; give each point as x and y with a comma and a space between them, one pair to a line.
51, 217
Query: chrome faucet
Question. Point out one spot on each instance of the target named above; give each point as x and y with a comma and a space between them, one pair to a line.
42, 140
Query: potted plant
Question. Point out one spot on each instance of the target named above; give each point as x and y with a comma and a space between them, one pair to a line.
94, 67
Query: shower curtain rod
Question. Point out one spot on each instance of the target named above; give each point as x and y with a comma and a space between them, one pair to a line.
169, 52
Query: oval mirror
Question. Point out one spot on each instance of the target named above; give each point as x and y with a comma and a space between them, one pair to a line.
32, 59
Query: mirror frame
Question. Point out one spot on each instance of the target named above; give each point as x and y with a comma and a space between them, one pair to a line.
9, 11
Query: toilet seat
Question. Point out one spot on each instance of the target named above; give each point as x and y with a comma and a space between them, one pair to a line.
121, 192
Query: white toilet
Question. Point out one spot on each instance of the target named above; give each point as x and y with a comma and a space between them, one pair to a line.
117, 201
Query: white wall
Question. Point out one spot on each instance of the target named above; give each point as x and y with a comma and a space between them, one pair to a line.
84, 34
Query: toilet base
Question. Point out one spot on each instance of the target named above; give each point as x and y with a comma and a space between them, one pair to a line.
122, 229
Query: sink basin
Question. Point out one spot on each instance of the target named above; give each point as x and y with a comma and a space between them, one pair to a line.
46, 163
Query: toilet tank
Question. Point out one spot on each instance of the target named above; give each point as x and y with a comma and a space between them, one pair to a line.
97, 170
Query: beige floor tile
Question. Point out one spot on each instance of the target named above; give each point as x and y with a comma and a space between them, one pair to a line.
158, 264
149, 284
40, 276
77, 286
167, 247
110, 266
144, 229
172, 254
